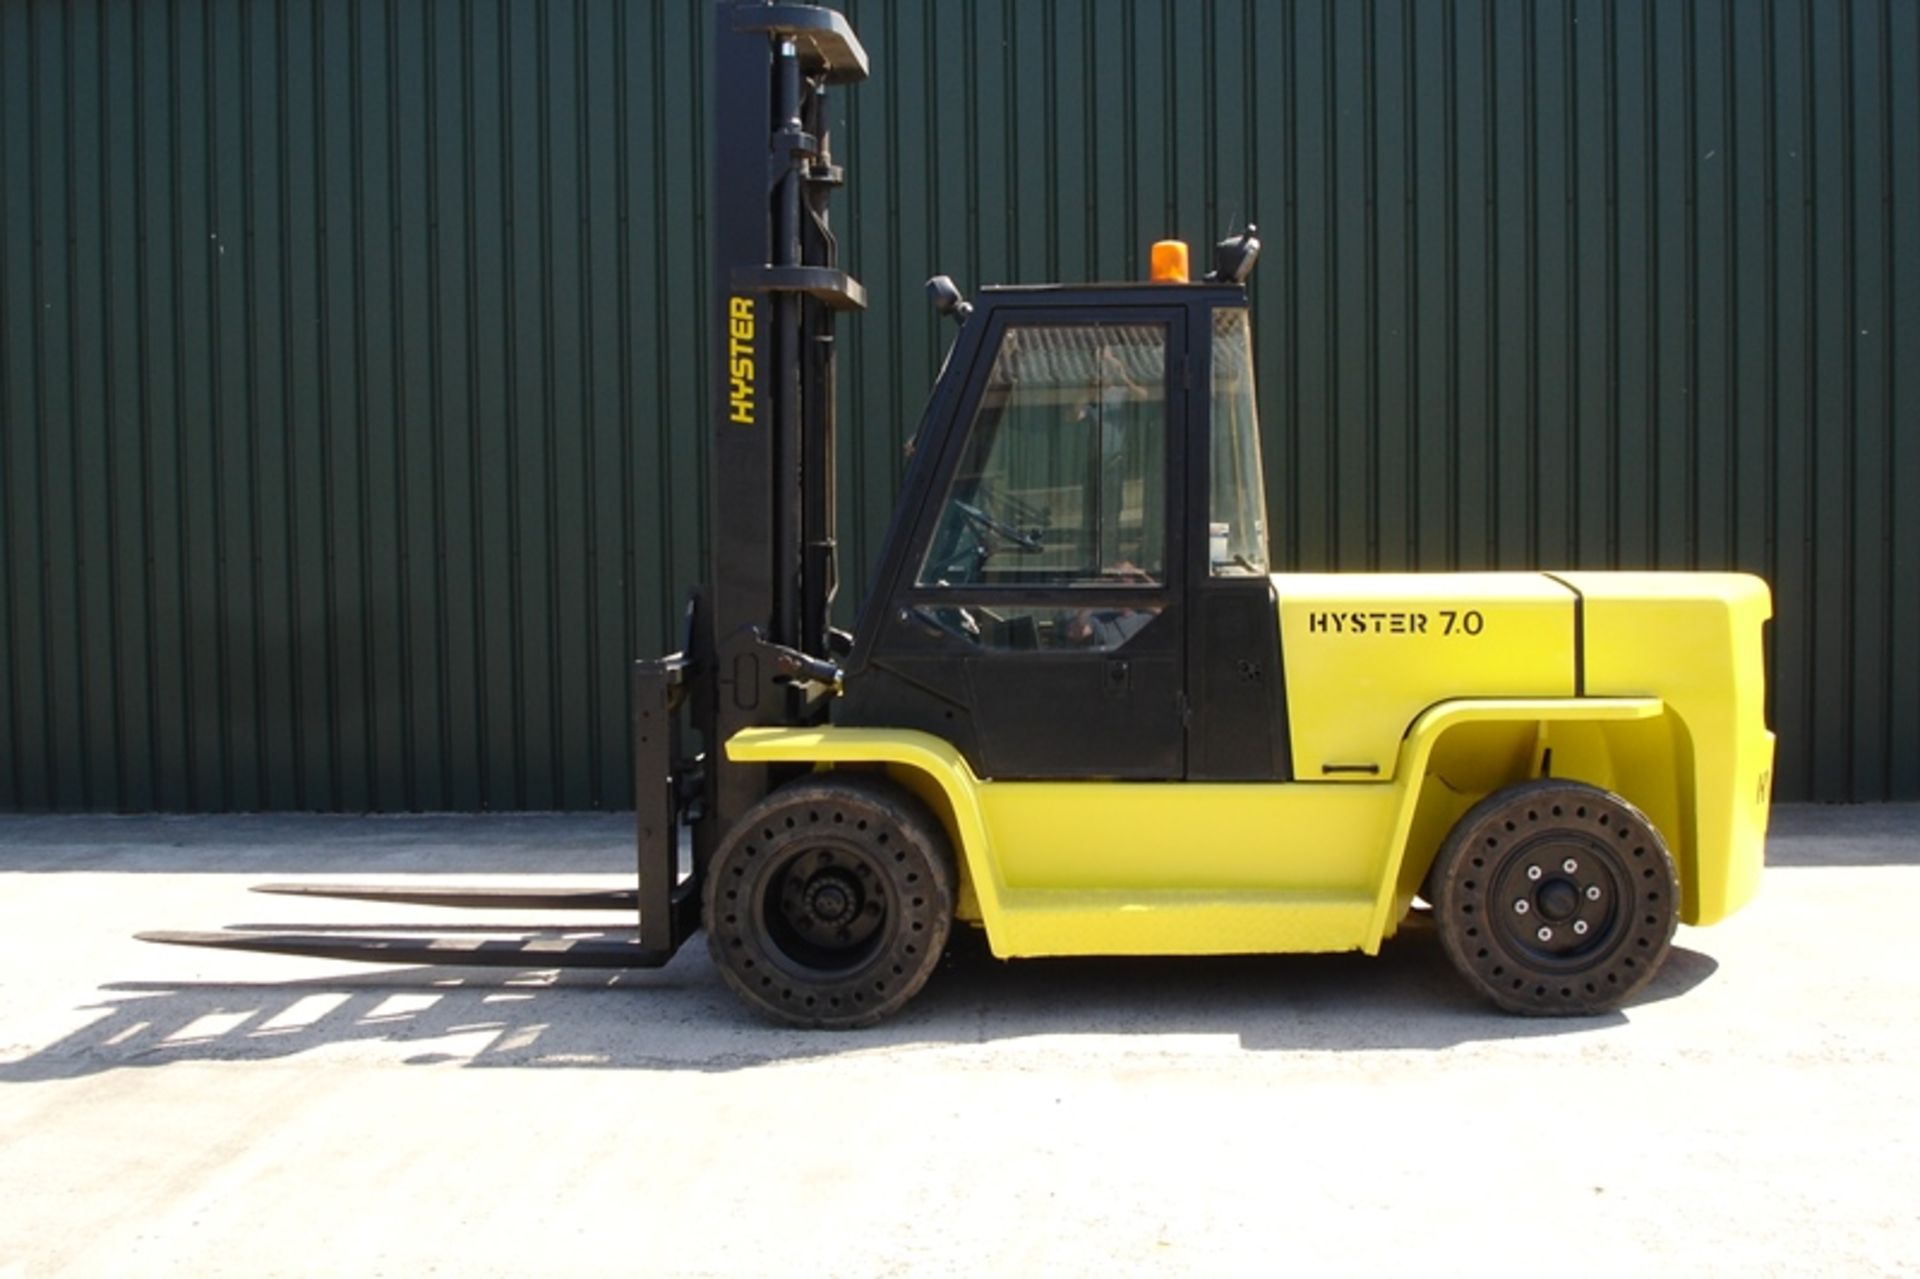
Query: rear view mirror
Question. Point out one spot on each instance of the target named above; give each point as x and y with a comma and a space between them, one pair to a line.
1233, 257
947, 299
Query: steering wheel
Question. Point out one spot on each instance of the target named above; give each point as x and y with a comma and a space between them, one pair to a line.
1028, 542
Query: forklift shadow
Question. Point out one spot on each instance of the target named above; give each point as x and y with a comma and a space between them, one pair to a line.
1407, 997
682, 1018
318, 845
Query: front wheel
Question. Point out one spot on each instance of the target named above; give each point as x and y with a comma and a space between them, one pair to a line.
1555, 898
828, 904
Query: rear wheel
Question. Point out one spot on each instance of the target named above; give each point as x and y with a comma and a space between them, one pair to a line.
1555, 898
829, 902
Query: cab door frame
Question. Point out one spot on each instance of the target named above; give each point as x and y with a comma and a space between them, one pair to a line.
903, 673
1236, 686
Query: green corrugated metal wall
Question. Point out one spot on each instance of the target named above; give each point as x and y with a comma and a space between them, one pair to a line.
351, 350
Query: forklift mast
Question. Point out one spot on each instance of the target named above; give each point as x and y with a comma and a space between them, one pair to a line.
758, 647
776, 287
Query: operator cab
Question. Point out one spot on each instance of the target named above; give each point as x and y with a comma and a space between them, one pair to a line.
1075, 584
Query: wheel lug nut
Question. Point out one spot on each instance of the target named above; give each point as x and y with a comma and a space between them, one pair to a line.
1580, 927
1545, 934
1593, 892
1570, 865
1533, 872
1520, 907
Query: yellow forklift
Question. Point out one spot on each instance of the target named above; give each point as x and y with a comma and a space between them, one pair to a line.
1078, 709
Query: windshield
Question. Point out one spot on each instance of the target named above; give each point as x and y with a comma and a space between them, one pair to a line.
1062, 481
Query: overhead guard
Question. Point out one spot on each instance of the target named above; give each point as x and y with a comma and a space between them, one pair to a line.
823, 37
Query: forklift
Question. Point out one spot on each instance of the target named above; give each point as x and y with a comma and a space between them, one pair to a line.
1078, 710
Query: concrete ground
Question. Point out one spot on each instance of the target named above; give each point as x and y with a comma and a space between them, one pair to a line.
167, 1111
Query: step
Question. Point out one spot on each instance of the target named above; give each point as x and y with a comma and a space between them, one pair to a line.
1041, 921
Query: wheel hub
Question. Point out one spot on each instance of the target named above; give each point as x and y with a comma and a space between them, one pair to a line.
831, 898
824, 897
1561, 901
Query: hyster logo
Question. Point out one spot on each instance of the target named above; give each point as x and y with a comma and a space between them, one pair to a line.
1447, 621
1367, 623
740, 360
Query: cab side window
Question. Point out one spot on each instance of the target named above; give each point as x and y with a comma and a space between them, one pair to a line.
1237, 510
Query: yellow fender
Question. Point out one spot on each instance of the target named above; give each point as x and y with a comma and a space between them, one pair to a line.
906, 750
1400, 880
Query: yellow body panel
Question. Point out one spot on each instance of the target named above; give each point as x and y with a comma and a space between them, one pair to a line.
1117, 868
1694, 641
1366, 653
1095, 868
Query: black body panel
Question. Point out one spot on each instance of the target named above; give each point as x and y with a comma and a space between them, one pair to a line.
1238, 728
1098, 715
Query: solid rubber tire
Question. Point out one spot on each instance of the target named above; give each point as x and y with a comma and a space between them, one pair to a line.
1478, 880
862, 821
